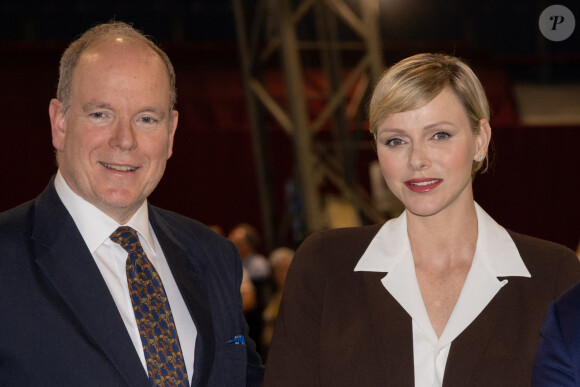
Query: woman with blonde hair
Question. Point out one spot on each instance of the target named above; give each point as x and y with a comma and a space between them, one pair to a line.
440, 296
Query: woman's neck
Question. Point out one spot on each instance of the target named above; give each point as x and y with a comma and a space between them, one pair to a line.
446, 238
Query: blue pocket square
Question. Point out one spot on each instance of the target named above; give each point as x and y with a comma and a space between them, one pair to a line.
239, 339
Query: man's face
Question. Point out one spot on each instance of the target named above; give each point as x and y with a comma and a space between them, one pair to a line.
114, 141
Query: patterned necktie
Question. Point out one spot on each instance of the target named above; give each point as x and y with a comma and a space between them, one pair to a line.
165, 364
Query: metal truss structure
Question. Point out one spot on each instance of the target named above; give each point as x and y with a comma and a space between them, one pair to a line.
296, 29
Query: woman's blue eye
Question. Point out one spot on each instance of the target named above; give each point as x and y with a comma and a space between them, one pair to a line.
441, 136
394, 142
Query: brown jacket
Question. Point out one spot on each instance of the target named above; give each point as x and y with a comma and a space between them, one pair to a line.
337, 327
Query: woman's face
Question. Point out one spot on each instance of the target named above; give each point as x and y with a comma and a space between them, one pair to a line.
426, 154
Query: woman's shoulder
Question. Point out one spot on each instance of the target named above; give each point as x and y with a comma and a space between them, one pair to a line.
530, 246
548, 262
349, 239
346, 234
336, 247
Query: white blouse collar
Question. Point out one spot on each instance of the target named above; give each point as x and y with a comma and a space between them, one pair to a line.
495, 246
495, 256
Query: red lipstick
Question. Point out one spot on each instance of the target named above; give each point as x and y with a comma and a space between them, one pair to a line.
423, 185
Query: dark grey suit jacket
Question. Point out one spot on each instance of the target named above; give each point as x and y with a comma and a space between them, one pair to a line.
59, 325
337, 327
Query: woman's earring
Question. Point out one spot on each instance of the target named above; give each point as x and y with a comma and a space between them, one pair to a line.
480, 158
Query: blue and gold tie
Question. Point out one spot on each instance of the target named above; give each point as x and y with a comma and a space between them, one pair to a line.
165, 364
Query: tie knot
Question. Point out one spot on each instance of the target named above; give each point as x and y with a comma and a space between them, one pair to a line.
127, 238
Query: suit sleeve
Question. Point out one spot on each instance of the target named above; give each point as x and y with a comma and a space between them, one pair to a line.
293, 358
254, 369
553, 365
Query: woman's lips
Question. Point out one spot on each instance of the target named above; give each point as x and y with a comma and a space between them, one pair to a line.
423, 185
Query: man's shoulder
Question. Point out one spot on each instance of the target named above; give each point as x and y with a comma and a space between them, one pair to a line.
13, 220
184, 227
566, 312
175, 219
570, 299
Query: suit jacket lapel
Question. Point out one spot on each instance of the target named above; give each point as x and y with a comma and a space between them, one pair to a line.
69, 267
392, 326
470, 346
187, 268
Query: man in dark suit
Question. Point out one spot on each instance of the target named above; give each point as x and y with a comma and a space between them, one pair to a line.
98, 286
557, 361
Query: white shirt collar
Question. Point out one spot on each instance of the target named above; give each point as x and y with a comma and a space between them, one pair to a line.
494, 245
94, 225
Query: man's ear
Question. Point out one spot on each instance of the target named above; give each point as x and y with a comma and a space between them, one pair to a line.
172, 129
57, 123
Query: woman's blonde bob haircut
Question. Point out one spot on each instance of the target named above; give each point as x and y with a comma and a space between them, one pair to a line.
415, 81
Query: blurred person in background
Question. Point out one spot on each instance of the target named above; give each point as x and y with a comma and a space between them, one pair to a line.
247, 240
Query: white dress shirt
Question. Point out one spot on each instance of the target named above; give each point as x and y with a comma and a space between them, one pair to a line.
95, 228
495, 256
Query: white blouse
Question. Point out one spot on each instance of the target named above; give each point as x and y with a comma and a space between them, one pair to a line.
495, 256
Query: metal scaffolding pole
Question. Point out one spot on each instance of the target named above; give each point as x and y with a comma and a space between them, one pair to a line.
370, 10
327, 33
316, 163
299, 115
259, 132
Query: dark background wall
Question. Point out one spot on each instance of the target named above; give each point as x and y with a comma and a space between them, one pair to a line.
532, 187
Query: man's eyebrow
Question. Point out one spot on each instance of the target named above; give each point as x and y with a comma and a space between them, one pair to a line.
96, 105
150, 109
103, 105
